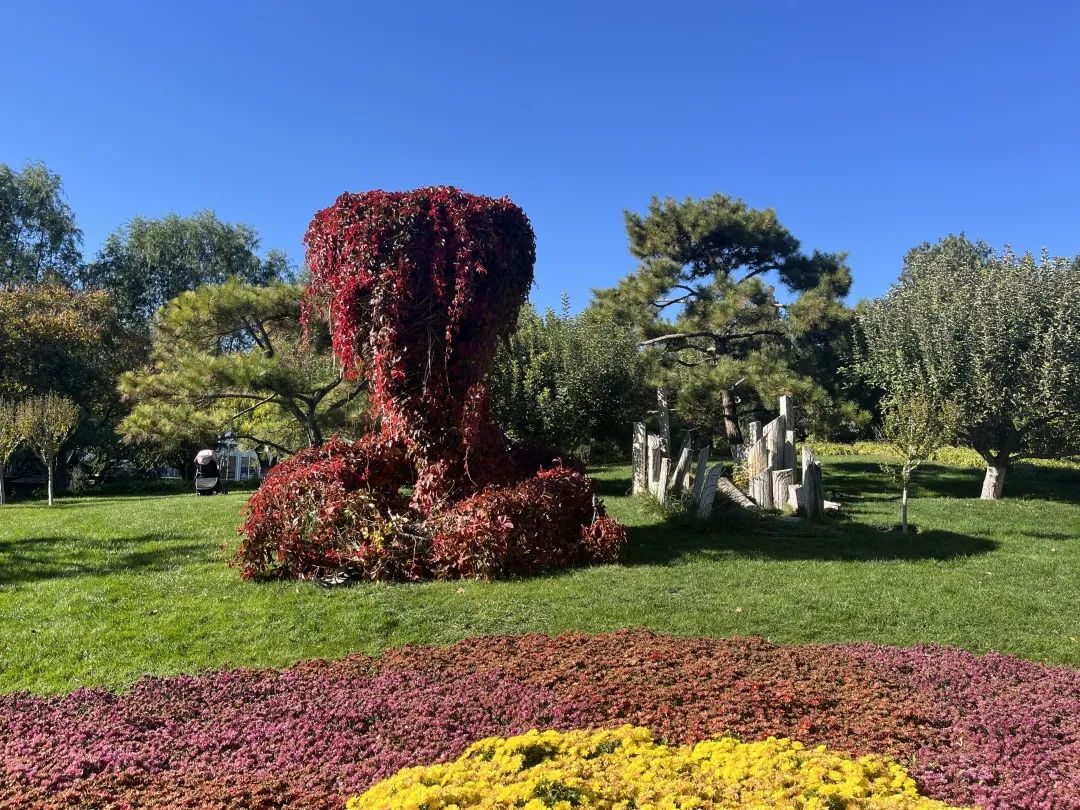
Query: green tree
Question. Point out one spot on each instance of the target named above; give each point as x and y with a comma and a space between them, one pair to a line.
69, 342
996, 334
714, 328
914, 428
231, 358
45, 423
575, 382
148, 262
39, 240
10, 438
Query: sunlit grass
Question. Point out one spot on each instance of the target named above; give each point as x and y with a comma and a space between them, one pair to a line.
103, 590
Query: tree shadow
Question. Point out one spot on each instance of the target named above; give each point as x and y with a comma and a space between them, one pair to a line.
742, 533
862, 478
35, 559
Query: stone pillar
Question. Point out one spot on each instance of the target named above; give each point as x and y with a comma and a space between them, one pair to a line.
662, 484
781, 481
641, 458
708, 491
665, 418
682, 465
699, 475
811, 493
761, 489
789, 454
655, 454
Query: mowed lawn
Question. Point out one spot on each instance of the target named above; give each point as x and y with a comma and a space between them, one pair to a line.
99, 591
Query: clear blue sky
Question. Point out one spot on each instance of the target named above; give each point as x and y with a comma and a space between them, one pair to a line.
868, 126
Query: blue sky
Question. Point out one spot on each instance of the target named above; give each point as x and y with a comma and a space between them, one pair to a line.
868, 126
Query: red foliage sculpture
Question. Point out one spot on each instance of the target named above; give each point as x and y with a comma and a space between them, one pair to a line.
419, 286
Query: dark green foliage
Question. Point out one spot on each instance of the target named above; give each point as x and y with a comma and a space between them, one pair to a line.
570, 381
72, 343
39, 240
148, 262
232, 357
716, 331
997, 335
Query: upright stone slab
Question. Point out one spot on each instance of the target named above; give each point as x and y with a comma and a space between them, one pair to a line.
815, 503
699, 476
811, 493
794, 495
664, 411
775, 433
708, 491
761, 489
782, 480
786, 411
662, 484
641, 458
786, 456
682, 466
757, 461
655, 454
789, 460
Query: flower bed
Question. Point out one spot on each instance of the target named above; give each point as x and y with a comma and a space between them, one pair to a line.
626, 768
992, 731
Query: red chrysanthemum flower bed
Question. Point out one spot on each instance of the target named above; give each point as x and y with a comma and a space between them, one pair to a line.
992, 731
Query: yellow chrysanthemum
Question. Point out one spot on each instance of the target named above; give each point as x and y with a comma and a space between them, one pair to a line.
626, 769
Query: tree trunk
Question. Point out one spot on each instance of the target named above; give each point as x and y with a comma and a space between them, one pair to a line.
903, 511
3, 494
994, 482
731, 419
311, 426
50, 463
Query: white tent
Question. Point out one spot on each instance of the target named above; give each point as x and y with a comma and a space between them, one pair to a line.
238, 465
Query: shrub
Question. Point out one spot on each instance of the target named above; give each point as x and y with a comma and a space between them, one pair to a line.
336, 510
625, 767
327, 508
573, 381
540, 524
604, 540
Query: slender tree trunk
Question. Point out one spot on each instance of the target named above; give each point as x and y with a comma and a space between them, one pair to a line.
315, 437
903, 511
731, 419
994, 482
50, 463
3, 494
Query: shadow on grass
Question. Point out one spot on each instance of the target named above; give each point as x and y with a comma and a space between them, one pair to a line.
744, 534
35, 559
860, 477
753, 536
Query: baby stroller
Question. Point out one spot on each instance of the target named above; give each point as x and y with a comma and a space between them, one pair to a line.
207, 480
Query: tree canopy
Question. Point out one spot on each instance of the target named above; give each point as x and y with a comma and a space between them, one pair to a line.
68, 342
570, 381
45, 422
231, 358
714, 326
996, 334
148, 262
39, 240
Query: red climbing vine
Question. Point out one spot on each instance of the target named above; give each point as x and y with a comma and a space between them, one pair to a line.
418, 287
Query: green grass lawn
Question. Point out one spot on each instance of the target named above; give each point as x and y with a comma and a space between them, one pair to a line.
102, 590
